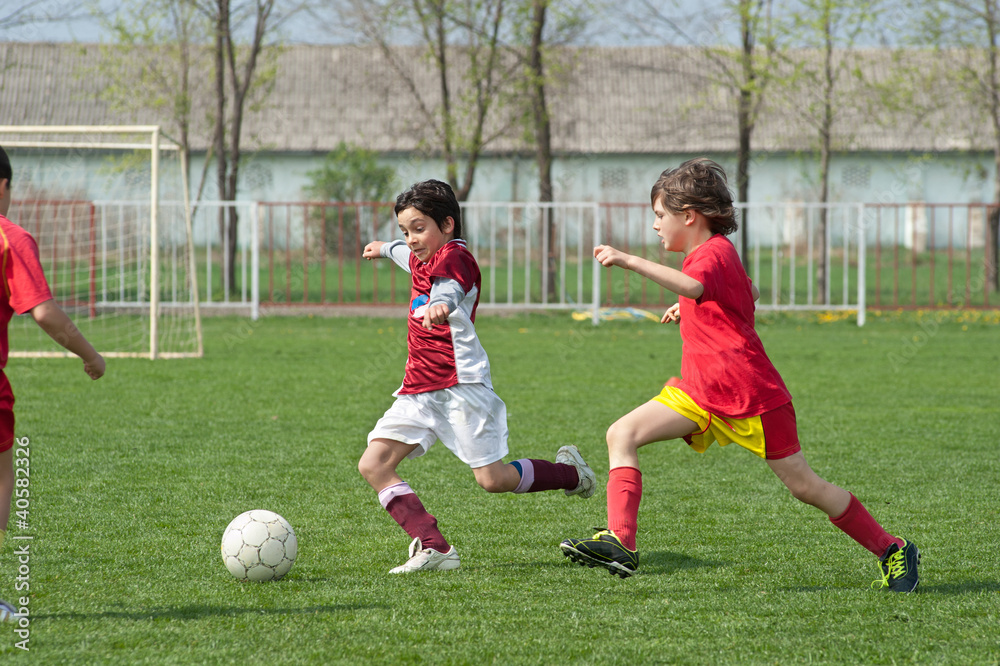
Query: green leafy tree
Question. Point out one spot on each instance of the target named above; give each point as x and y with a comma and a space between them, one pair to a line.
349, 174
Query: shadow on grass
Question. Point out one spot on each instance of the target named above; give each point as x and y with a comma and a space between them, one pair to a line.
967, 587
664, 562
199, 612
655, 563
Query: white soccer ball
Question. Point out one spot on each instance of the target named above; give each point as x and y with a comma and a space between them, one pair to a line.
259, 545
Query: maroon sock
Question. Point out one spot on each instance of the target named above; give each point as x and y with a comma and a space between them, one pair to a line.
407, 510
858, 524
624, 495
539, 475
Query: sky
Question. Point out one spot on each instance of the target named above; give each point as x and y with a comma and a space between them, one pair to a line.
74, 21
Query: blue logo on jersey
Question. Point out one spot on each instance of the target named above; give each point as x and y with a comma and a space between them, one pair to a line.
418, 302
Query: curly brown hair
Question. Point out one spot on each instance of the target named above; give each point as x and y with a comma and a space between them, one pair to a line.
699, 184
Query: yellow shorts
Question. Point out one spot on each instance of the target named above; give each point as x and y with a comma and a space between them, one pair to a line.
770, 435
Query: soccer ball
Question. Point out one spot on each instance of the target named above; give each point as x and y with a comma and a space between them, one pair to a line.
259, 545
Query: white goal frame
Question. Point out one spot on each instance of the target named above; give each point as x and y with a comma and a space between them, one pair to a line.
157, 141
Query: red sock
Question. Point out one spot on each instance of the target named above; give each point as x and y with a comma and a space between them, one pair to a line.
624, 494
406, 509
539, 475
858, 524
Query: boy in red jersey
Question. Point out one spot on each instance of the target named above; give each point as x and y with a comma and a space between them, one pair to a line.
728, 391
24, 290
447, 393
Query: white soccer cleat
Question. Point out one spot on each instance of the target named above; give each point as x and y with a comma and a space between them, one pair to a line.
427, 559
570, 455
7, 612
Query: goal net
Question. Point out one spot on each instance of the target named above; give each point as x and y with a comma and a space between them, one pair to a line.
110, 210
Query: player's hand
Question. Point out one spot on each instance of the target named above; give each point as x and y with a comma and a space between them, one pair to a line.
673, 313
94, 367
609, 256
435, 314
373, 250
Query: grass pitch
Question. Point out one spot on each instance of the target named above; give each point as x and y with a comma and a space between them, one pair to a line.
133, 479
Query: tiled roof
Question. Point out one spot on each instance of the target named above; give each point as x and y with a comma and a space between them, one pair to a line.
618, 100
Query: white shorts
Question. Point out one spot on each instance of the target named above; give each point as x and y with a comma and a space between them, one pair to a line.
469, 419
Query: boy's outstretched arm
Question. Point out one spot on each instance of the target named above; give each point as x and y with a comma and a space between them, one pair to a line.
669, 278
373, 250
395, 250
51, 318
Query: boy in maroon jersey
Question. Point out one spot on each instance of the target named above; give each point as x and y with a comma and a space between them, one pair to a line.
24, 290
728, 391
447, 393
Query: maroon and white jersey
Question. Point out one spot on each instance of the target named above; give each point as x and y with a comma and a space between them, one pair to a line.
449, 353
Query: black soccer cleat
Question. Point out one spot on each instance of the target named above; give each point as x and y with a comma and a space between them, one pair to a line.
604, 549
899, 568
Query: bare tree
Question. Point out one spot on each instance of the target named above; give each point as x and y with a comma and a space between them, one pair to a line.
39, 12
830, 30
967, 36
747, 70
238, 75
152, 65
462, 41
540, 28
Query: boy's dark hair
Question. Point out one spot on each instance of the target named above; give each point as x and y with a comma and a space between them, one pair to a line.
6, 173
433, 198
699, 184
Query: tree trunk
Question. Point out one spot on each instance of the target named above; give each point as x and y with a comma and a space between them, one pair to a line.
826, 128
992, 250
746, 122
543, 136
221, 168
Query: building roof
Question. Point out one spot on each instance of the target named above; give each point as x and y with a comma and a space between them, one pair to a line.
616, 100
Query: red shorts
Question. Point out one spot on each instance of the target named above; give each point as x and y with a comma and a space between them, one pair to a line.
780, 432
6, 413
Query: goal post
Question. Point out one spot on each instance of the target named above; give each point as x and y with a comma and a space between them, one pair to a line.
123, 266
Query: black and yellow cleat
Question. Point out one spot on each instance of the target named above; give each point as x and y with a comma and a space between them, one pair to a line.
604, 549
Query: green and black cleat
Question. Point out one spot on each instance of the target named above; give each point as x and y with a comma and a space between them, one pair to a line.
899, 568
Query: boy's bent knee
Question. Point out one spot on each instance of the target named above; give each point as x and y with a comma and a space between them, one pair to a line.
365, 467
621, 437
371, 463
492, 485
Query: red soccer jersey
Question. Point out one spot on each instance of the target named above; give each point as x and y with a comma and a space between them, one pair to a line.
723, 364
449, 353
24, 284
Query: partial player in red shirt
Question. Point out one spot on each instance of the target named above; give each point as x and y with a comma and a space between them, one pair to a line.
25, 290
728, 391
447, 393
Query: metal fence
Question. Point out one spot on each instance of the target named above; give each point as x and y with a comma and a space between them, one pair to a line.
531, 255
808, 256
281, 254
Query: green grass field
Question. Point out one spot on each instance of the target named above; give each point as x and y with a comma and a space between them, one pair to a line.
133, 479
